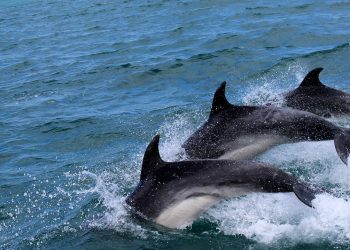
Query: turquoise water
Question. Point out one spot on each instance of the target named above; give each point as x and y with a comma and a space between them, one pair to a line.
85, 85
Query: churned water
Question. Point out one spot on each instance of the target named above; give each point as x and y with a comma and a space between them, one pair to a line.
86, 84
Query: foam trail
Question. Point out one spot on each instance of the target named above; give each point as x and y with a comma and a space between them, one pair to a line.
290, 220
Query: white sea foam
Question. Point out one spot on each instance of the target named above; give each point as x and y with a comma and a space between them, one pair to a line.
173, 136
174, 132
116, 215
270, 87
269, 218
318, 160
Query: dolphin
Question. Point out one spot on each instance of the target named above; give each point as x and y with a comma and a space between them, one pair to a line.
174, 194
242, 132
317, 98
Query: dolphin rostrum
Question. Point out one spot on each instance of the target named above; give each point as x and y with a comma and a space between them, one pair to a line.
317, 98
174, 194
242, 132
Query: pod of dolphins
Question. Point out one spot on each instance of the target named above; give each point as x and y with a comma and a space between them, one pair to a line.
174, 194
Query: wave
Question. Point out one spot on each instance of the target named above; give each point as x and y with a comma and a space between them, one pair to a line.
60, 125
338, 48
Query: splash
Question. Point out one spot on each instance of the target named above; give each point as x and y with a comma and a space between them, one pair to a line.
116, 215
317, 162
271, 218
268, 89
175, 131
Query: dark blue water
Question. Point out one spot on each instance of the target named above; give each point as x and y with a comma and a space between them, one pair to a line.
84, 86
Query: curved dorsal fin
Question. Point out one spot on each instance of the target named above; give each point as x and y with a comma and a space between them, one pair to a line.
219, 101
312, 78
151, 159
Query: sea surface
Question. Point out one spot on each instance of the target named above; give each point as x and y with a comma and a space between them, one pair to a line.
86, 84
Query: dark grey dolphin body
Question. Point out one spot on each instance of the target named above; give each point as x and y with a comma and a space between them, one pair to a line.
317, 98
242, 132
173, 194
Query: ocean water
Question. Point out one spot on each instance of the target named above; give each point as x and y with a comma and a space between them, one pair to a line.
86, 84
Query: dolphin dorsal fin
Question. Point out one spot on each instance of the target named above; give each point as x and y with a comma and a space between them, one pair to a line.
151, 159
312, 79
219, 101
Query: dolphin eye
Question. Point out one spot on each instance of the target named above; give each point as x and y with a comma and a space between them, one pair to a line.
327, 115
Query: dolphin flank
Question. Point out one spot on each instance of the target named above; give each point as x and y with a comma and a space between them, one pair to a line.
174, 194
317, 98
242, 132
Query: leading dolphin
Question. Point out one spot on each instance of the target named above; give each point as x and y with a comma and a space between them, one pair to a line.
317, 98
174, 194
242, 132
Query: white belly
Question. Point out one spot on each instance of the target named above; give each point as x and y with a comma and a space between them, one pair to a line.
247, 147
184, 211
